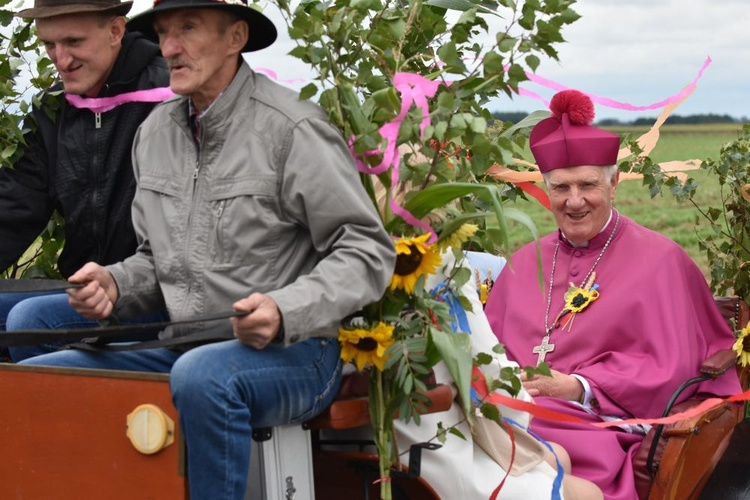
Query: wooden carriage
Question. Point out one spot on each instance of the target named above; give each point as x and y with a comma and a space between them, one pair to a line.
75, 433
71, 433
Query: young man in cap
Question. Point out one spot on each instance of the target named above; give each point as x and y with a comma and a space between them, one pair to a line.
78, 161
625, 315
248, 199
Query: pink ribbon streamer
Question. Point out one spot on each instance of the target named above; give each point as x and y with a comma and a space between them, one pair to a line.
104, 104
611, 103
414, 90
272, 74
551, 84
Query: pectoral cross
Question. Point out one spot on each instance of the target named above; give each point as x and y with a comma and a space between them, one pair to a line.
542, 349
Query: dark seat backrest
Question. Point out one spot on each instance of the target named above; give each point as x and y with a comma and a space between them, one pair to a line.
734, 310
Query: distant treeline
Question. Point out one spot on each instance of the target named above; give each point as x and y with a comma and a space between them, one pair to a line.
517, 116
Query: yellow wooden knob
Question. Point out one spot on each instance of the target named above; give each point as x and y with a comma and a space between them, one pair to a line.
150, 429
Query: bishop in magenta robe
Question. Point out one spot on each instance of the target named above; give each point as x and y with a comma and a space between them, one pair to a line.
623, 317
652, 325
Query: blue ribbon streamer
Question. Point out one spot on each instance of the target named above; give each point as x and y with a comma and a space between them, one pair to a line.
460, 322
474, 395
557, 483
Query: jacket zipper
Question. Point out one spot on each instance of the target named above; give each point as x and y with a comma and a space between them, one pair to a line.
191, 213
217, 233
95, 160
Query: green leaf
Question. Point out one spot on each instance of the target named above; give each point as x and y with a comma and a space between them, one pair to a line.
483, 359
8, 151
532, 61
454, 430
528, 122
522, 217
448, 53
455, 350
492, 63
505, 43
460, 5
454, 223
445, 100
308, 91
386, 98
439, 195
490, 412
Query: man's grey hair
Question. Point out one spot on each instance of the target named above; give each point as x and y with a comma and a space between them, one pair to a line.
609, 172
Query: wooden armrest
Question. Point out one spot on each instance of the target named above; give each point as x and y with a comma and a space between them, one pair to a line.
693, 424
355, 412
718, 363
687, 451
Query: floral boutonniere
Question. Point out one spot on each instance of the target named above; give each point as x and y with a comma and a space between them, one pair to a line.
742, 346
577, 298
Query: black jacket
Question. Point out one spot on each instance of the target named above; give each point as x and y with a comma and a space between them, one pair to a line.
81, 170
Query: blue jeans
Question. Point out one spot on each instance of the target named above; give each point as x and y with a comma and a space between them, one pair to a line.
46, 311
222, 391
10, 300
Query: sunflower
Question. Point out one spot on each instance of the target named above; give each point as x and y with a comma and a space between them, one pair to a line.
366, 347
414, 258
742, 346
458, 237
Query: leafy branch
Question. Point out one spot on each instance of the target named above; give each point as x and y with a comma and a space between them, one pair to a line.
26, 73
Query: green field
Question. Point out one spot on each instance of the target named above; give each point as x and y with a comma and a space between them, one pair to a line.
663, 213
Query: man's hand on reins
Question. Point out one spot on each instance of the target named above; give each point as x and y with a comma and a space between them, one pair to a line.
262, 323
95, 300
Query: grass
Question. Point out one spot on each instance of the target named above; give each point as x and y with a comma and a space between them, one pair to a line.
662, 213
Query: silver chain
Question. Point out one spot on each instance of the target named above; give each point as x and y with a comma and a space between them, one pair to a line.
547, 329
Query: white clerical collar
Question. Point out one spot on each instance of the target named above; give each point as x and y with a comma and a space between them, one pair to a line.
585, 244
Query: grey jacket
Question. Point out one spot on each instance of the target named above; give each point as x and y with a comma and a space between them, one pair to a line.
271, 203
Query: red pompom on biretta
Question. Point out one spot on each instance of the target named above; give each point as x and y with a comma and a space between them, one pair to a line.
567, 138
576, 104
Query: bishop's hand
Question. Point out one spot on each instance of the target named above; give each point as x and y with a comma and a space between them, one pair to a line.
559, 385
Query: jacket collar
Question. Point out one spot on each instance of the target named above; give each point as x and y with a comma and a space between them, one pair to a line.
136, 53
217, 112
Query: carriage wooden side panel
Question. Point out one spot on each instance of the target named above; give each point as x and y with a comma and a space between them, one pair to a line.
63, 434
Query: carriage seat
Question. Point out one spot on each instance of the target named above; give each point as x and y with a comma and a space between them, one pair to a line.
351, 408
676, 461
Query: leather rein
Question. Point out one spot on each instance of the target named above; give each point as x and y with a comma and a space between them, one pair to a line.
99, 338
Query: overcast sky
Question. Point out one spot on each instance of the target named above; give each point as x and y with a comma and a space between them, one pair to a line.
634, 51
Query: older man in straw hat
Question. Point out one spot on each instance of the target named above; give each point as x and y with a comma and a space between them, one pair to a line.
77, 161
247, 199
